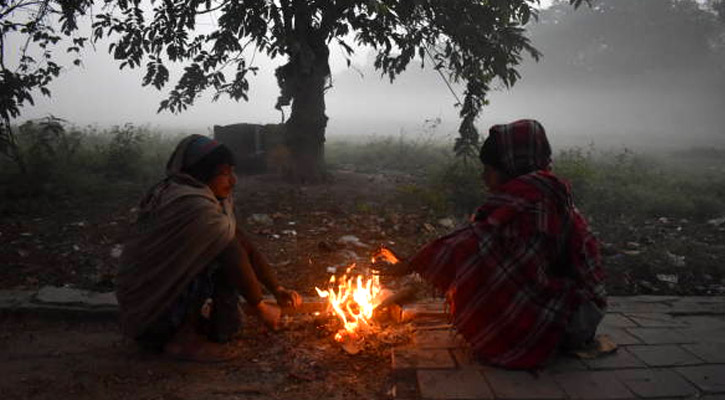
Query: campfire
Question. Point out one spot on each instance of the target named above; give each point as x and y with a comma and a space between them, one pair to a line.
353, 299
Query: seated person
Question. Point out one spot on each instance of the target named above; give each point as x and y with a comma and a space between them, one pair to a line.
524, 277
184, 268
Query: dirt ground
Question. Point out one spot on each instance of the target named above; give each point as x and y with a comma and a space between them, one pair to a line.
305, 230
56, 359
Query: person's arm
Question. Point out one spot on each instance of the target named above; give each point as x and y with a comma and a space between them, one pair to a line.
265, 273
259, 262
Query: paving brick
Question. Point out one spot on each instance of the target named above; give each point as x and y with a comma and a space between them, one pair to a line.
422, 358
632, 304
703, 322
565, 364
704, 335
656, 383
617, 360
617, 320
656, 320
660, 335
437, 339
425, 310
405, 384
664, 355
713, 353
715, 305
619, 335
464, 358
708, 378
453, 384
598, 385
522, 385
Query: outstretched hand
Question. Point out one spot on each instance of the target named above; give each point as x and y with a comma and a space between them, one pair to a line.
387, 263
288, 298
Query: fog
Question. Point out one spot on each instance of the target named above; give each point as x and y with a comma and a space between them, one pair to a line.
597, 83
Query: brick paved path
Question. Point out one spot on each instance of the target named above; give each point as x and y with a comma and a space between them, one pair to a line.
669, 347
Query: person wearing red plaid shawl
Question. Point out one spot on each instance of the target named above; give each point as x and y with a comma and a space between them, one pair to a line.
524, 278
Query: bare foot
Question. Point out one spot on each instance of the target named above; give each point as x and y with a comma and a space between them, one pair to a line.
270, 314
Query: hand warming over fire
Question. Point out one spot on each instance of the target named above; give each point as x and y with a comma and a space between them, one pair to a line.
287, 298
387, 263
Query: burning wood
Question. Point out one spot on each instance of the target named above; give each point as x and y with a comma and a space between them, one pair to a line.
353, 300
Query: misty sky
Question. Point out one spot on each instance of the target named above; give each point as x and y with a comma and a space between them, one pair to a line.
360, 102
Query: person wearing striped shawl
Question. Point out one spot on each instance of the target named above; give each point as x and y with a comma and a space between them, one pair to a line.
524, 277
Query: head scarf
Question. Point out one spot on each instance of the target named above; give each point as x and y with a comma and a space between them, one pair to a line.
517, 148
188, 152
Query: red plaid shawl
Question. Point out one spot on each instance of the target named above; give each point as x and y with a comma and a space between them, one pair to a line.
515, 274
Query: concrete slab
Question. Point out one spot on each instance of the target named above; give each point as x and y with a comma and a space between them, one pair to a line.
649, 383
708, 378
667, 355
453, 384
522, 385
617, 360
660, 335
404, 358
598, 385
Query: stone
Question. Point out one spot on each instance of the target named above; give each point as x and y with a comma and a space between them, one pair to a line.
598, 385
522, 384
656, 320
453, 384
660, 335
708, 378
713, 353
656, 383
107, 299
664, 355
619, 335
404, 358
619, 359
437, 339
617, 320
15, 298
60, 295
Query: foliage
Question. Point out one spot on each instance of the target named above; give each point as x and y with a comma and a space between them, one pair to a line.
35, 25
628, 38
31, 30
474, 41
65, 161
607, 185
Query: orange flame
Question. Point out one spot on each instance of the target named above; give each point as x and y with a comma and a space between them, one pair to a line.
353, 300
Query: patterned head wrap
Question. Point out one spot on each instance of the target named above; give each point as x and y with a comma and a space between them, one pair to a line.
188, 152
517, 148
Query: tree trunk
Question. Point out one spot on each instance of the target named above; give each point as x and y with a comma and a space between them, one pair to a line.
304, 78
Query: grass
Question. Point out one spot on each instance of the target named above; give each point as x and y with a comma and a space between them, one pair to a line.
64, 161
